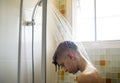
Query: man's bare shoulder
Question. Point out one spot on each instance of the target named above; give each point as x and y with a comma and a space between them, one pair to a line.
83, 78
89, 78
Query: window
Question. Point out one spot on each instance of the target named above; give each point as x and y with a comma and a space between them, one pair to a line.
96, 20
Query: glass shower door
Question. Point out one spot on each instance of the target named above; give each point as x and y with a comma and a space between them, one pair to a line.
9, 24
29, 62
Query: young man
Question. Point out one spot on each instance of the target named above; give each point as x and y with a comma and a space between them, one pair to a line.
67, 55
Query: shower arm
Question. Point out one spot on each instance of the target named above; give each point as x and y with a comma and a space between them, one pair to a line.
39, 3
32, 22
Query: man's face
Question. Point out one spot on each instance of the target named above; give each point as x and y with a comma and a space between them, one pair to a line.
68, 64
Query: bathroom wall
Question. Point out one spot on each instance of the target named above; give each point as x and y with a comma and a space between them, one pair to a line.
9, 25
105, 56
65, 7
107, 61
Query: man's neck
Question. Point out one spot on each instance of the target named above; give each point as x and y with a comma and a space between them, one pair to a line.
82, 63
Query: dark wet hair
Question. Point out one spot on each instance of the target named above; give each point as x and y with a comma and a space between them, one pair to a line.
62, 47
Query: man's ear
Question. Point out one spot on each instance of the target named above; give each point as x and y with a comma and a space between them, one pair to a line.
70, 55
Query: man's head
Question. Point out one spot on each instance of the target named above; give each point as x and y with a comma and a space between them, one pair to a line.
65, 56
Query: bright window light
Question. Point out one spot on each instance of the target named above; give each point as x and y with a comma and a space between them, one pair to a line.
108, 19
96, 20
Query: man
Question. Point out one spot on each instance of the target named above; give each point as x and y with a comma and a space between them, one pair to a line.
68, 56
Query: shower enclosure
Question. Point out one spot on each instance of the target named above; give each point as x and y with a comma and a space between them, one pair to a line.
23, 41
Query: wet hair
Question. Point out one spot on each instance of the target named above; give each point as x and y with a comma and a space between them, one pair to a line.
62, 47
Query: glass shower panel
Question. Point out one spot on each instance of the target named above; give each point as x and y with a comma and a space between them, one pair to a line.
30, 61
9, 26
